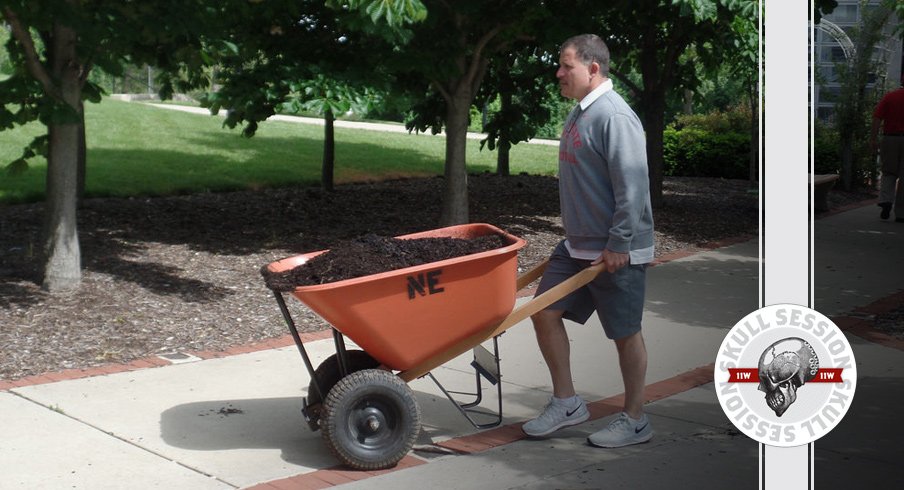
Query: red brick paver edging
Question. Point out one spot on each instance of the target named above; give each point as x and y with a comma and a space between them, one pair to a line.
489, 439
862, 325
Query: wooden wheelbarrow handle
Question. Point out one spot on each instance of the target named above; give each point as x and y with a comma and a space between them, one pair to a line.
532, 275
517, 315
548, 297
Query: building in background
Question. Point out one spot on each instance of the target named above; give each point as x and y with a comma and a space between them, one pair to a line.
833, 45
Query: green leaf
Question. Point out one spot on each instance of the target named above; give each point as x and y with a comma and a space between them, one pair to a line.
92, 92
700, 9
17, 167
377, 9
231, 47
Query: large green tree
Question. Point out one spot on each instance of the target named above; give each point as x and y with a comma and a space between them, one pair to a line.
743, 62
311, 55
54, 46
445, 64
520, 83
650, 38
853, 110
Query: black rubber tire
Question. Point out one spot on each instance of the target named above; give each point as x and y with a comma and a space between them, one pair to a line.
328, 374
370, 420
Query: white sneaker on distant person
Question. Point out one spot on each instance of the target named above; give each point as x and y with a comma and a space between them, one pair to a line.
557, 414
623, 431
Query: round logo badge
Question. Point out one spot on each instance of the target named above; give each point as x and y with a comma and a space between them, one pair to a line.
785, 375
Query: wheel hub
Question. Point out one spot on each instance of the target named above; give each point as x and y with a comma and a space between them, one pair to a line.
371, 421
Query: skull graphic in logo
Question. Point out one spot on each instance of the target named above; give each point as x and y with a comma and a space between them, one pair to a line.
784, 367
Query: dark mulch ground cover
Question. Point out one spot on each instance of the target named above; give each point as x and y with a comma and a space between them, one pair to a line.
373, 254
182, 273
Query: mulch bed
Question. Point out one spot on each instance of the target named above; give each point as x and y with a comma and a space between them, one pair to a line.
181, 273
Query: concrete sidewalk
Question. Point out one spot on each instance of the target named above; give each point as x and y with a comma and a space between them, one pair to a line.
234, 422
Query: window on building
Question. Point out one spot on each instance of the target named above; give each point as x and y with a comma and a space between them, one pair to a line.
831, 54
844, 14
827, 74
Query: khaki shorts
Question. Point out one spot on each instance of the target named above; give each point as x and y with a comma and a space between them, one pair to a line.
617, 298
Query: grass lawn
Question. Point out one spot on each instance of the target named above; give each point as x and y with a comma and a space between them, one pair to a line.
140, 150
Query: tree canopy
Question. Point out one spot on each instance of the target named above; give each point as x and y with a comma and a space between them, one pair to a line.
650, 38
53, 47
55, 44
255, 57
444, 66
303, 55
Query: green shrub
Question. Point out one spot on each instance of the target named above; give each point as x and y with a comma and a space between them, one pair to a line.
827, 156
736, 120
826, 149
693, 152
715, 144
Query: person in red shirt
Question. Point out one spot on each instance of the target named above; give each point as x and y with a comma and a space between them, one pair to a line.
889, 115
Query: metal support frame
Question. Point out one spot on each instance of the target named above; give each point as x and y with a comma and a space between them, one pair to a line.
280, 300
341, 354
486, 365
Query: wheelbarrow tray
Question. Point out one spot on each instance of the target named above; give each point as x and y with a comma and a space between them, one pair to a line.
403, 317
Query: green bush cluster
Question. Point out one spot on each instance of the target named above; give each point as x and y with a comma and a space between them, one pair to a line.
827, 156
716, 144
735, 119
826, 145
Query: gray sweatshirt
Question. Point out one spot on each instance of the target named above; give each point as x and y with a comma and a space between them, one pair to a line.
604, 188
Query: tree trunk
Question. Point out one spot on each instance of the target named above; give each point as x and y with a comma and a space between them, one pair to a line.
847, 163
82, 153
655, 126
503, 149
62, 256
653, 104
455, 193
329, 151
504, 145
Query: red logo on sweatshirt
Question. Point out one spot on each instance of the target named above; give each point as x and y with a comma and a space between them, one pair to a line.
572, 139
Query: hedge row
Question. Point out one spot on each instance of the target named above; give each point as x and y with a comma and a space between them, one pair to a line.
693, 152
696, 152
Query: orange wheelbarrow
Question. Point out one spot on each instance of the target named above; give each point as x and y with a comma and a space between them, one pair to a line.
408, 322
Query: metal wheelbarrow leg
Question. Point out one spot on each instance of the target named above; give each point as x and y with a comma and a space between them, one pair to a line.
487, 364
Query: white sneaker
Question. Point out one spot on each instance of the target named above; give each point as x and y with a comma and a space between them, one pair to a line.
623, 431
556, 415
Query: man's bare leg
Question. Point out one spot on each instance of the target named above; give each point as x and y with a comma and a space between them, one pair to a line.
632, 359
554, 345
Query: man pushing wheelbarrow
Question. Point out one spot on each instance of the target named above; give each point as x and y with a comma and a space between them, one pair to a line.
605, 200
411, 320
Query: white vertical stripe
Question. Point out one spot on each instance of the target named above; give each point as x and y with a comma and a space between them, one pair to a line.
785, 212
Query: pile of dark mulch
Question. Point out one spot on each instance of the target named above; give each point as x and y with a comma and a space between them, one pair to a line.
373, 254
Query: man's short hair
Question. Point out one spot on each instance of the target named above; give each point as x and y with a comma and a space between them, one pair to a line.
589, 48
